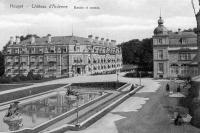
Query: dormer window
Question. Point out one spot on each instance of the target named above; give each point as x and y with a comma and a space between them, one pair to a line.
32, 50
52, 49
16, 51
77, 48
24, 50
40, 50
59, 50
64, 50
9, 51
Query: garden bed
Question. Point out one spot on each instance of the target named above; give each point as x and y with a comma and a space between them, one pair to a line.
100, 85
12, 86
28, 92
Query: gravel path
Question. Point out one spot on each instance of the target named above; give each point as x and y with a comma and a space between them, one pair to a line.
144, 112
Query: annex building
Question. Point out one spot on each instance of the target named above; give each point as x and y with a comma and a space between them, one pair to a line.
57, 56
174, 53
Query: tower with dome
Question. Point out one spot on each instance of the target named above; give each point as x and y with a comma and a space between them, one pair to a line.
174, 52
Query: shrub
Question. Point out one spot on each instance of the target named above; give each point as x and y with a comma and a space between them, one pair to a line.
23, 78
130, 75
37, 77
196, 114
4, 80
16, 78
30, 75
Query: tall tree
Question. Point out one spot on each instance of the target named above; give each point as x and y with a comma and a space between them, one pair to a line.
2, 67
138, 53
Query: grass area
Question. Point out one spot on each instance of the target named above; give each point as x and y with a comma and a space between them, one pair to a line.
34, 81
28, 92
9, 87
100, 85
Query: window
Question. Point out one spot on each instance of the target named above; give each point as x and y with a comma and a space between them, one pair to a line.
185, 56
160, 54
174, 68
64, 49
40, 50
16, 51
159, 41
32, 50
52, 49
160, 67
9, 51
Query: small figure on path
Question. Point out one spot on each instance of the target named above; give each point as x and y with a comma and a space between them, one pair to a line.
178, 121
132, 87
179, 89
167, 88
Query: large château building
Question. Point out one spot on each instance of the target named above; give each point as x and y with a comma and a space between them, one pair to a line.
61, 56
174, 53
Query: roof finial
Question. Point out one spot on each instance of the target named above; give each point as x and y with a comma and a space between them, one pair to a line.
160, 20
72, 30
160, 13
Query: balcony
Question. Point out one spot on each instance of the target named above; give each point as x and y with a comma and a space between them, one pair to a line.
16, 60
52, 68
24, 60
33, 60
9, 60
23, 71
41, 60
16, 71
39, 67
9, 67
24, 67
51, 59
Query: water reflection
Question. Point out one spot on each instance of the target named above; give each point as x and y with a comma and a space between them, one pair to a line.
45, 109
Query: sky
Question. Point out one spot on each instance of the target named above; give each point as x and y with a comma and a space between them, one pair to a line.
120, 20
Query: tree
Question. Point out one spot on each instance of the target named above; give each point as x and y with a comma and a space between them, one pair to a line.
30, 75
138, 53
28, 36
2, 67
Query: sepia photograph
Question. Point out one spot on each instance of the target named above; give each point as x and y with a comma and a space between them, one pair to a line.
93, 66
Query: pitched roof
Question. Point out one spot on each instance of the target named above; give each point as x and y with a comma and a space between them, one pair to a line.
182, 35
58, 40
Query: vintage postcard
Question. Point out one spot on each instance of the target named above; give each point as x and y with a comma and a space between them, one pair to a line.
93, 66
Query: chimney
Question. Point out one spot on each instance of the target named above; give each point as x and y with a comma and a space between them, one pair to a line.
90, 36
179, 30
32, 39
49, 38
11, 40
113, 42
17, 40
96, 38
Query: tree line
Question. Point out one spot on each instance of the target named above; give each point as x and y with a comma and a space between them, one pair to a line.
138, 52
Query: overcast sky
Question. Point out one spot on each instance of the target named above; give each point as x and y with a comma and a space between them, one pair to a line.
121, 20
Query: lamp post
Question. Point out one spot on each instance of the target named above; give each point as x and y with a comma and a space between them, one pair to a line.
140, 77
77, 115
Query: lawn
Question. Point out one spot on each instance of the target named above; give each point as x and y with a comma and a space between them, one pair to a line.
14, 86
28, 92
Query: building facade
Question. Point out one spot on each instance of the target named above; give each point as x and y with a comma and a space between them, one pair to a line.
174, 52
61, 56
